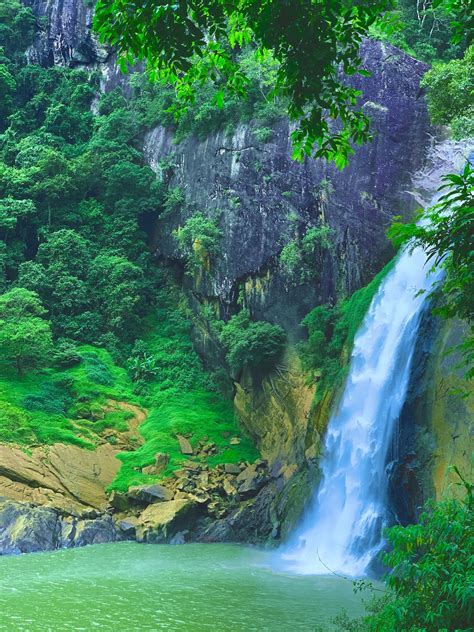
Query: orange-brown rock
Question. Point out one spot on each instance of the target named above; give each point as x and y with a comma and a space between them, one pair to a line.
64, 477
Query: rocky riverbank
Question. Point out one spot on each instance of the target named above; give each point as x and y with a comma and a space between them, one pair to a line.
228, 503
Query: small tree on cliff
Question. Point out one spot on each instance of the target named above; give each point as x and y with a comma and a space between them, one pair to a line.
25, 337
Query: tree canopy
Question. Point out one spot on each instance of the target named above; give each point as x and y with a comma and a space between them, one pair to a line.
192, 41
315, 44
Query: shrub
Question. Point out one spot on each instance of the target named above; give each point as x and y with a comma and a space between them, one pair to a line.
66, 354
432, 573
198, 241
301, 259
263, 134
253, 344
174, 200
96, 370
52, 397
450, 89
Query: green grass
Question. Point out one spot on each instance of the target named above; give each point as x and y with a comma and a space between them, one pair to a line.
63, 405
203, 415
67, 405
181, 399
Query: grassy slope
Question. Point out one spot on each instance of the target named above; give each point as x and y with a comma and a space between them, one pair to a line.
63, 405
66, 405
181, 399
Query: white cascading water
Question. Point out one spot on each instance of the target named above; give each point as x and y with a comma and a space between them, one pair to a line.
342, 532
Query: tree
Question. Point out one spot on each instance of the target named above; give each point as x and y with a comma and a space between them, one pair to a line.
25, 337
253, 344
192, 42
450, 94
116, 290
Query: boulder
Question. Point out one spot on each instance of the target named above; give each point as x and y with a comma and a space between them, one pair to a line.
250, 481
119, 501
86, 532
231, 468
229, 489
161, 521
184, 445
150, 470
148, 494
161, 461
25, 528
127, 526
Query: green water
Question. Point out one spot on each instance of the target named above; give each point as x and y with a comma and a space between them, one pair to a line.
130, 587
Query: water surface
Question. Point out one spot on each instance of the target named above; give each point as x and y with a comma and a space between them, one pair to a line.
132, 587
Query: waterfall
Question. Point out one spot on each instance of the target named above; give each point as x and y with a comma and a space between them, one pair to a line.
342, 531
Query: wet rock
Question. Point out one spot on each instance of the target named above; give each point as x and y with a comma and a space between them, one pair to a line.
97, 531
184, 445
148, 494
127, 526
179, 538
25, 528
161, 521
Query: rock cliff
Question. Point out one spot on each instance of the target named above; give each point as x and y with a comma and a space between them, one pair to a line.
264, 197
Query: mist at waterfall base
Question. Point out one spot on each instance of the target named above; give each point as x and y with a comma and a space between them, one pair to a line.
342, 530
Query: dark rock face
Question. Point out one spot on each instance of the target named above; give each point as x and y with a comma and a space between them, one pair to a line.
25, 528
65, 37
435, 428
257, 188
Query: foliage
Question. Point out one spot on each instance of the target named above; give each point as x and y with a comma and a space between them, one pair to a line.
432, 573
450, 94
445, 231
195, 43
426, 28
301, 259
74, 197
253, 344
25, 337
181, 398
157, 103
198, 241
64, 404
331, 333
